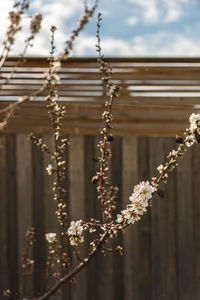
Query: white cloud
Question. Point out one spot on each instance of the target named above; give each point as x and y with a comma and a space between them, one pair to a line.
165, 44
85, 46
132, 20
159, 44
175, 9
154, 11
64, 9
150, 9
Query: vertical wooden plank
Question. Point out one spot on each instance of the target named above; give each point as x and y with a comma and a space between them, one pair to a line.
171, 275
77, 203
185, 223
12, 222
67, 288
24, 209
130, 237
195, 190
116, 174
104, 264
50, 207
144, 227
3, 215
90, 208
158, 241
38, 220
137, 237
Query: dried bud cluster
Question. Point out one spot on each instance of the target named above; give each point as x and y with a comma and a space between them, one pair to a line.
84, 20
36, 23
39, 143
56, 257
7, 293
56, 112
106, 193
27, 261
15, 17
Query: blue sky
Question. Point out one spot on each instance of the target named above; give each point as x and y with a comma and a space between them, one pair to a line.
129, 27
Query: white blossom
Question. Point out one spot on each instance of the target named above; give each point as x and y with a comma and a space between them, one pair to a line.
75, 232
49, 169
50, 237
56, 66
160, 168
57, 108
190, 140
120, 218
174, 153
144, 190
75, 228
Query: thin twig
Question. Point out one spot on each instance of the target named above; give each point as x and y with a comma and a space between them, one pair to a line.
106, 192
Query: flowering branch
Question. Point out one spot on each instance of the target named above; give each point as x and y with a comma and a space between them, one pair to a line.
142, 193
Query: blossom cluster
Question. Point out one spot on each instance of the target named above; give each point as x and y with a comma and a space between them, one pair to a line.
140, 199
193, 132
75, 232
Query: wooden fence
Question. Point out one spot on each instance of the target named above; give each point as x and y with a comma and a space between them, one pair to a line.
161, 252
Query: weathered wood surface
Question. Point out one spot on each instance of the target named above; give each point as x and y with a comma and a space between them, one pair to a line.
162, 257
